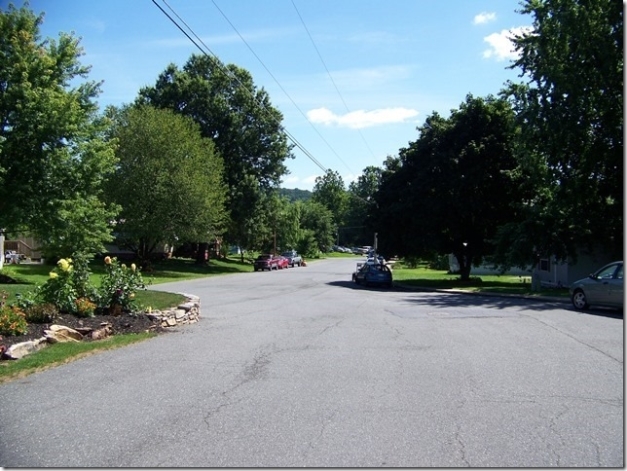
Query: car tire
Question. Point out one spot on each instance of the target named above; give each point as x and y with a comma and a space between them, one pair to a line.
579, 300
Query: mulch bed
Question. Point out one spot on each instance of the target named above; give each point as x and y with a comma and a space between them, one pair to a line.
122, 324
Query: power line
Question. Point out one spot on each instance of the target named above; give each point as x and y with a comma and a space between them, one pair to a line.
229, 74
329, 74
280, 86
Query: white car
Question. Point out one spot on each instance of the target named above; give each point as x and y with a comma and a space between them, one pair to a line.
602, 288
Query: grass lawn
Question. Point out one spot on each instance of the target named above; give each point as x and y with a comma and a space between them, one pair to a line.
441, 279
61, 353
30, 275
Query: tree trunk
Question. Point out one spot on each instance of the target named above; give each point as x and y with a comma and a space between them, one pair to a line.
463, 260
202, 254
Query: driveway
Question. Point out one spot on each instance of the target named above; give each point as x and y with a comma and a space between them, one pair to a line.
301, 368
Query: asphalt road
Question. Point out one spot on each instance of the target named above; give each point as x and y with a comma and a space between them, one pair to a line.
300, 367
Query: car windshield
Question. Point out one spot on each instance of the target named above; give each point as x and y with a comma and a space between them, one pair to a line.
287, 254
263, 257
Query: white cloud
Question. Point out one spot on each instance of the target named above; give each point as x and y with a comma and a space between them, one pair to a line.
501, 45
484, 17
361, 118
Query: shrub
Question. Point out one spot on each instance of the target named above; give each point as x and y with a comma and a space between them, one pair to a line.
12, 321
81, 277
439, 262
59, 288
41, 313
69, 281
119, 285
84, 307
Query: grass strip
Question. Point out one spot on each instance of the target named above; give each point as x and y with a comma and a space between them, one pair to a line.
62, 353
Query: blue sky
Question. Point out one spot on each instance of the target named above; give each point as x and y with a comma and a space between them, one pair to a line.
353, 78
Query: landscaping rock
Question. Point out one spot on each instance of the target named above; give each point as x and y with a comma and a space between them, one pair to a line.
19, 350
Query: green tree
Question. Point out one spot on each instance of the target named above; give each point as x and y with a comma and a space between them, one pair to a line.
53, 153
244, 126
571, 114
329, 190
317, 224
360, 204
168, 181
454, 186
289, 229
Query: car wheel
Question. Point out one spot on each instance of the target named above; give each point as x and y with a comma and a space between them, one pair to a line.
579, 300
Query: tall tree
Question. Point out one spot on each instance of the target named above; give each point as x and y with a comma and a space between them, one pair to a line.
168, 181
53, 154
318, 228
454, 186
242, 122
571, 114
360, 204
329, 190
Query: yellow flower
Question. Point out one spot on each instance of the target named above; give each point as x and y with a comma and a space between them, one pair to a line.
131, 296
133, 267
53, 275
124, 266
107, 260
64, 264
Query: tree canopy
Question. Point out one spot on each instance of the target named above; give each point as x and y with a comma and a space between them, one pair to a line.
329, 190
453, 187
570, 110
53, 154
168, 181
245, 127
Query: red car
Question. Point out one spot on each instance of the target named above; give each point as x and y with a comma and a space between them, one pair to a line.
266, 262
283, 262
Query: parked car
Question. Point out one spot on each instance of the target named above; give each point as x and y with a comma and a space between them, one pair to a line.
266, 262
283, 262
374, 261
602, 288
293, 258
373, 274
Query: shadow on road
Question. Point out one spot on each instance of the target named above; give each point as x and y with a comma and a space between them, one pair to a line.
448, 300
353, 285
478, 300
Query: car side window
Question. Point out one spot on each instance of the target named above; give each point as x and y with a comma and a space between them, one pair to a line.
608, 273
619, 273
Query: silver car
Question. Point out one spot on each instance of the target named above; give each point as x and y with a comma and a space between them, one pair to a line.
602, 288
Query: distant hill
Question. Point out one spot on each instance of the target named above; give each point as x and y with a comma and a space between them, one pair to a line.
295, 194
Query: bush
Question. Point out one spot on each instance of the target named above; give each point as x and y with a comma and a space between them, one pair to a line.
439, 262
41, 313
59, 289
12, 321
119, 285
84, 307
68, 289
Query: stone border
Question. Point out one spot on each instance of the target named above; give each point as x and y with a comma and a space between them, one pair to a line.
185, 313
